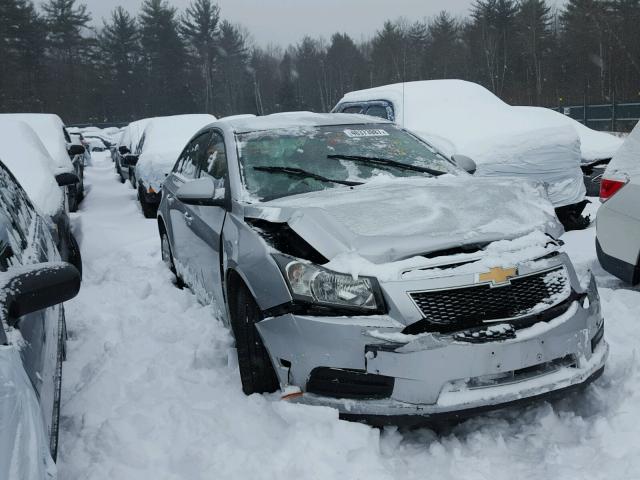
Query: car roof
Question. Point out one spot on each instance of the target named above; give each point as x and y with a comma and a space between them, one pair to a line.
286, 120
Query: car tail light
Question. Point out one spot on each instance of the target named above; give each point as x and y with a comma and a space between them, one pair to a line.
608, 188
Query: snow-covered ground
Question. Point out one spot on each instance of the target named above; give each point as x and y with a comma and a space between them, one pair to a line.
151, 390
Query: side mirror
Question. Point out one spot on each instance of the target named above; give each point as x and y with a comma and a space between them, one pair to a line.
465, 163
38, 287
76, 150
130, 160
123, 150
200, 192
66, 179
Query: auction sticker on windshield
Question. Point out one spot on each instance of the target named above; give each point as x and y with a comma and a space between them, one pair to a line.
366, 133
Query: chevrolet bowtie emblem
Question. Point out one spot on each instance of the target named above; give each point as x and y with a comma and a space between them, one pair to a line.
498, 276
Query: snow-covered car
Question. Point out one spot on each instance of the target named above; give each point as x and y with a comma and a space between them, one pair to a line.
618, 222
67, 157
78, 139
156, 153
127, 144
33, 284
28, 160
464, 118
360, 269
596, 148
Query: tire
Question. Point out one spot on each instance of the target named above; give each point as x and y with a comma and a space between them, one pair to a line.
75, 257
132, 178
256, 371
73, 199
167, 258
149, 210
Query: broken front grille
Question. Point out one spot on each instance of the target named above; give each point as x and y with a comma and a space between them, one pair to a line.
459, 308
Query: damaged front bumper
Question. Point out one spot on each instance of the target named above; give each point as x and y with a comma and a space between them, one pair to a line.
368, 370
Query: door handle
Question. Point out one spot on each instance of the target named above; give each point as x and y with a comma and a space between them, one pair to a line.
188, 217
170, 198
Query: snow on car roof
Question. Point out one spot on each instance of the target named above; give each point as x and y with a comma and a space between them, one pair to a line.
164, 139
49, 127
460, 117
132, 133
23, 153
626, 161
594, 145
285, 120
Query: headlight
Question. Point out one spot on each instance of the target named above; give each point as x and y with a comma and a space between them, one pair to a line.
313, 284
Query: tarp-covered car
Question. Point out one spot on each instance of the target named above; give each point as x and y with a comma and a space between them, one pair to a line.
361, 269
464, 118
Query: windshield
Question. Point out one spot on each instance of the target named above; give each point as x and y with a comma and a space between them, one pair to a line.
279, 163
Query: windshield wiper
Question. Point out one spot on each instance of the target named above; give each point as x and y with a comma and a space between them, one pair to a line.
387, 163
298, 172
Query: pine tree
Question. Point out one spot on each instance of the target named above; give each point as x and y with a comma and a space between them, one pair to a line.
346, 66
121, 56
231, 57
165, 59
200, 29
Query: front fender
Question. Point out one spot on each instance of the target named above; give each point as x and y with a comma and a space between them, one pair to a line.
248, 255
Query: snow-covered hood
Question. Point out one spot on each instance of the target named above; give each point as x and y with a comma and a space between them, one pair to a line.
388, 220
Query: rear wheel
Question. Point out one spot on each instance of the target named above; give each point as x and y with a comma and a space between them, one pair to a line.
256, 371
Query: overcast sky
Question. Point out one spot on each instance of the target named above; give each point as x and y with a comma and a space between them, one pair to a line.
282, 22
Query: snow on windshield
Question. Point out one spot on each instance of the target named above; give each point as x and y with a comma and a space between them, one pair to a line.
26, 157
283, 162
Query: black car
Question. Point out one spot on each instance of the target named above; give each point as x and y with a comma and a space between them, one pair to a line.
33, 284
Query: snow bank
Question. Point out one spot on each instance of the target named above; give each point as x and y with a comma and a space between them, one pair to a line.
164, 139
26, 157
626, 162
151, 389
465, 118
594, 145
50, 129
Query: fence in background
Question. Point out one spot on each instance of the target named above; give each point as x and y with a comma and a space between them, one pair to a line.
612, 117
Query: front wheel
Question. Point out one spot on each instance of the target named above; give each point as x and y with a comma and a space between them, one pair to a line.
256, 371
149, 210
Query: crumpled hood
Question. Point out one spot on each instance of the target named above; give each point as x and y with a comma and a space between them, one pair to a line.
387, 219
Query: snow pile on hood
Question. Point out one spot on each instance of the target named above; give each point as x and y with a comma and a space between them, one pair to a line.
626, 162
50, 129
594, 145
26, 157
390, 219
464, 118
164, 139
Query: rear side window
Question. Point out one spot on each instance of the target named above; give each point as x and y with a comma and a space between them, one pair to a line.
17, 223
378, 111
141, 144
352, 109
189, 161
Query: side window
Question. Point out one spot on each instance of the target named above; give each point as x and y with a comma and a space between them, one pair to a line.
378, 111
16, 224
141, 144
352, 109
188, 162
214, 161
